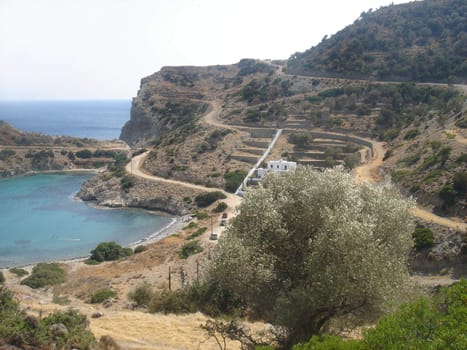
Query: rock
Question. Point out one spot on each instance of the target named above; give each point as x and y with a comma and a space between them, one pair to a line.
58, 329
97, 314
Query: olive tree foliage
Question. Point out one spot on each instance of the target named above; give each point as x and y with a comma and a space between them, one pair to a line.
309, 246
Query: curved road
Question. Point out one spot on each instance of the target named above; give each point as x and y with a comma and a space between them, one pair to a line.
134, 168
366, 172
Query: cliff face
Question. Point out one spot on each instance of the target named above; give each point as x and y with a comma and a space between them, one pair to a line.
171, 98
106, 191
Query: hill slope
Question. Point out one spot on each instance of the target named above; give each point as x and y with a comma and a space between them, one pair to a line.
420, 41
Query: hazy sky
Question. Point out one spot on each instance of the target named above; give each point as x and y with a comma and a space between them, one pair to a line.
95, 49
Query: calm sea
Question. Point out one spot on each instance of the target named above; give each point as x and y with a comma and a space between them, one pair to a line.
101, 120
39, 218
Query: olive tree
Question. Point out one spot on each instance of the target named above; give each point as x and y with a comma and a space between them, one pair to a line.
309, 246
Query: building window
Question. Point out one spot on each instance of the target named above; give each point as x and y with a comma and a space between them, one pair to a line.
285, 167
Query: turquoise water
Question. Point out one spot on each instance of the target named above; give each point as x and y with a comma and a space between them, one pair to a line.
41, 221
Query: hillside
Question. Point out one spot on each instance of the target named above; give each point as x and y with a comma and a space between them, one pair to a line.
23, 152
421, 41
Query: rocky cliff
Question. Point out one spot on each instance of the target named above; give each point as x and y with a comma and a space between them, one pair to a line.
171, 98
104, 190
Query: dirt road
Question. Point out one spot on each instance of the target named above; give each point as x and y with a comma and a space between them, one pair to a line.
368, 173
134, 168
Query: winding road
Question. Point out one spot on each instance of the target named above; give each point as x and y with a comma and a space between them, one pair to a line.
367, 172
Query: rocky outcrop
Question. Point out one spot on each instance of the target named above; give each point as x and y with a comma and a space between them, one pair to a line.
172, 98
105, 190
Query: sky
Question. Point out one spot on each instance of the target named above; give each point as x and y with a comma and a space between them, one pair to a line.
100, 49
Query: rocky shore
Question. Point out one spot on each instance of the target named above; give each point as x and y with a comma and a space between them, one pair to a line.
105, 190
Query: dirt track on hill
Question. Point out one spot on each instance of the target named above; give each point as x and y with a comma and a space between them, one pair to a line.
369, 173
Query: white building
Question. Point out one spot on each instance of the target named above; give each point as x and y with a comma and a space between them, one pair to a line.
277, 166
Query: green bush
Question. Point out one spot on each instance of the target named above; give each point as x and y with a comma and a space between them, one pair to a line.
220, 207
208, 298
327, 342
411, 134
200, 215
85, 153
2, 277
140, 249
108, 251
45, 274
426, 324
142, 294
423, 237
301, 138
434, 324
27, 332
6, 153
448, 195
197, 233
460, 183
190, 225
189, 249
102, 295
127, 182
19, 272
233, 179
206, 199
91, 262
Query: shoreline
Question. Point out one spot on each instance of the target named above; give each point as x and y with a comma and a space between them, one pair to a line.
172, 227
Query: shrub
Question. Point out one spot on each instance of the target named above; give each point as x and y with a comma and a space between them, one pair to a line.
85, 153
127, 182
101, 295
91, 262
6, 153
208, 298
462, 158
140, 249
460, 183
60, 300
190, 225
411, 134
327, 342
426, 324
107, 251
2, 277
197, 233
233, 179
301, 138
220, 207
206, 199
19, 272
44, 274
423, 238
27, 332
189, 249
448, 195
200, 215
142, 294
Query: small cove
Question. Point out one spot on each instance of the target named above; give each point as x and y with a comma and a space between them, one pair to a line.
40, 220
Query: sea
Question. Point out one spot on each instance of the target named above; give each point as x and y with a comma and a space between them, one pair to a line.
98, 119
40, 218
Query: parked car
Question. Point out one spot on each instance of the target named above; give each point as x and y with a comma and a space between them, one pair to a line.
224, 215
213, 236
